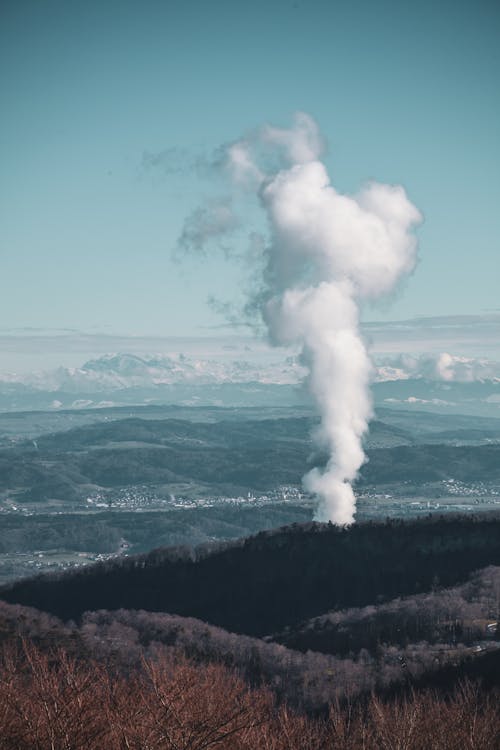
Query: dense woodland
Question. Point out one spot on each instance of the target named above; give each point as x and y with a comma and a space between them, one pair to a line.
309, 636
277, 578
308, 680
451, 615
139, 679
50, 701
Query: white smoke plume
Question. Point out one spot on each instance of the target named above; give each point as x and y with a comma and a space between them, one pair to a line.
211, 221
327, 253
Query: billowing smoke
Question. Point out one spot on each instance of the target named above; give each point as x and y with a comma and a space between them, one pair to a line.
327, 253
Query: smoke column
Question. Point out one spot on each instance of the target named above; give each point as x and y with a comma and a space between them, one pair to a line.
327, 254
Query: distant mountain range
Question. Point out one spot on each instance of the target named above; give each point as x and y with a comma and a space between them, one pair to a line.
439, 383
119, 371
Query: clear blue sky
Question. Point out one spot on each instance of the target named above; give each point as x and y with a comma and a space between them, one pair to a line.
404, 92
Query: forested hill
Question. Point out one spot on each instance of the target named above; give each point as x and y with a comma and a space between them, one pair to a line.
274, 579
226, 457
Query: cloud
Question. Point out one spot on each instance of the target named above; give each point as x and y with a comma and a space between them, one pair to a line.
443, 367
463, 335
419, 401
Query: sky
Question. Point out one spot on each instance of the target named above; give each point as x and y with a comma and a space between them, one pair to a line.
110, 109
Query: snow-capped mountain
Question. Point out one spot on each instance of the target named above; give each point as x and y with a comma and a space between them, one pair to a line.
122, 379
437, 382
120, 371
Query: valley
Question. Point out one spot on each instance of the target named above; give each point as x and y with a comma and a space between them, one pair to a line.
83, 486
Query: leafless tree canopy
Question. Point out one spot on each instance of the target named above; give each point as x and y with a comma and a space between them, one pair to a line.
52, 701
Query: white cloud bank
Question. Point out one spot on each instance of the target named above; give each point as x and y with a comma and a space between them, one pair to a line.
440, 367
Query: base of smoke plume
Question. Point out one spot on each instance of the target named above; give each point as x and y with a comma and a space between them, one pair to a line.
336, 499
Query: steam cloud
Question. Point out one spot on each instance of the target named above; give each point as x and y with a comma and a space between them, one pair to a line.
327, 253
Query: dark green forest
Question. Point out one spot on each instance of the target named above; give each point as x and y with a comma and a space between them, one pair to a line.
261, 584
